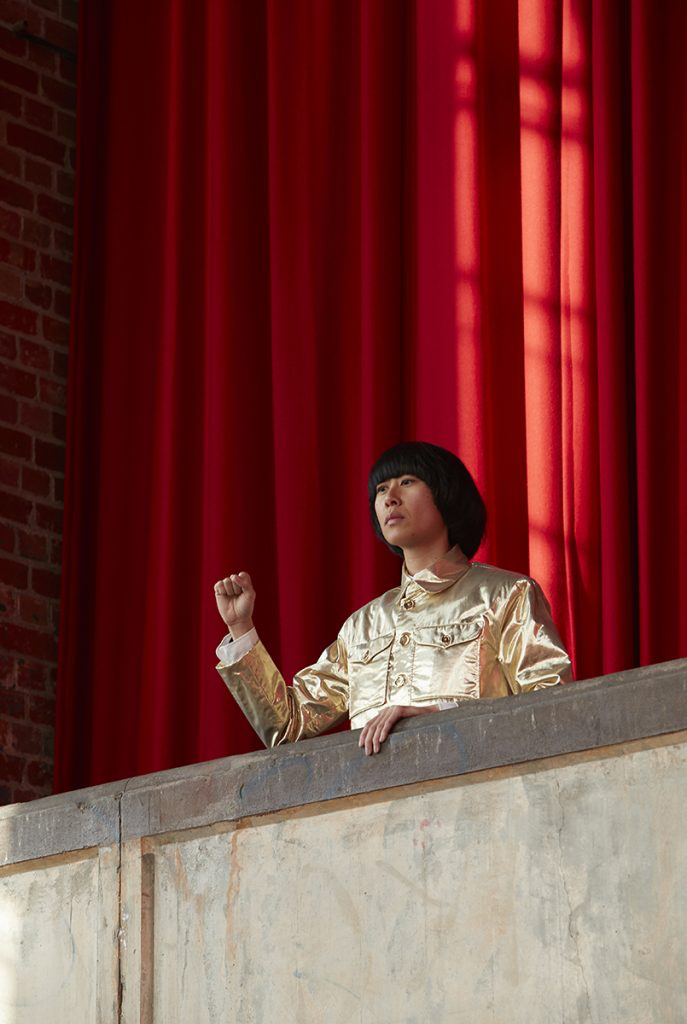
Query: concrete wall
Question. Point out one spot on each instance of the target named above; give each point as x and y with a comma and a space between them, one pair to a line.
522, 860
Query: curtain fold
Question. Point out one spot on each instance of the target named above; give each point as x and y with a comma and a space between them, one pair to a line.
308, 230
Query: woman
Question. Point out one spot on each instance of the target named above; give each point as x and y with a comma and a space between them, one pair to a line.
453, 630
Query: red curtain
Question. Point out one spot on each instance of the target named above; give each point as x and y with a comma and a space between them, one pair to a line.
307, 230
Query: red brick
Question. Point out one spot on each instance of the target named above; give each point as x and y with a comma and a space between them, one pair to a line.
39, 114
18, 75
33, 19
45, 582
11, 283
18, 319
12, 704
39, 773
56, 557
9, 600
70, 11
66, 126
52, 393
62, 304
16, 195
16, 381
50, 456
21, 795
10, 222
63, 242
49, 738
68, 68
65, 184
56, 270
49, 518
15, 508
17, 255
36, 233
12, 11
10, 163
9, 472
8, 408
59, 425
59, 489
36, 143
60, 362
37, 172
11, 43
38, 294
35, 481
64, 36
54, 210
34, 610
8, 346
42, 58
30, 675
11, 768
72, 157
47, 5
7, 539
28, 641
35, 417
32, 354
59, 92
15, 443
33, 545
16, 574
21, 738
10, 102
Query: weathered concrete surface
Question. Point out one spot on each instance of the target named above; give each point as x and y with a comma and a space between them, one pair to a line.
59, 957
517, 860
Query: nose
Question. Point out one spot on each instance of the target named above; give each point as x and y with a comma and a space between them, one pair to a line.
391, 496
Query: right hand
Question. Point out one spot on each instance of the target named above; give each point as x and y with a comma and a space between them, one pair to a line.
235, 598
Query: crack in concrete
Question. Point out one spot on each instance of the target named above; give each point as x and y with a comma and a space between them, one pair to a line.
573, 912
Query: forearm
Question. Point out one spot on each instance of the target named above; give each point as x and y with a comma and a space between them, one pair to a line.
280, 713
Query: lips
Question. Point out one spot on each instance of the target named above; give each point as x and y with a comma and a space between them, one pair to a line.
392, 518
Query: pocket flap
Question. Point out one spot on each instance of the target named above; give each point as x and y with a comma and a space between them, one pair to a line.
362, 654
450, 634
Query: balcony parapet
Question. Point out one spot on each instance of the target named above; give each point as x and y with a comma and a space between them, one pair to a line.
596, 713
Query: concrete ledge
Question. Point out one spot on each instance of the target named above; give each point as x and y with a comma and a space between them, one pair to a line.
596, 713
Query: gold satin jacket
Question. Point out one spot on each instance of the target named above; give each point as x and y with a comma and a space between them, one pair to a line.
455, 631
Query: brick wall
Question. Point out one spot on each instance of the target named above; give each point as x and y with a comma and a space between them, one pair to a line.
37, 161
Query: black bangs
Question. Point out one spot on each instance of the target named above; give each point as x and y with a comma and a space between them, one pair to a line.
454, 491
409, 459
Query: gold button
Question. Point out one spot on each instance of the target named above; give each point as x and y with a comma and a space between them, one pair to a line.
405, 639
446, 639
366, 656
409, 604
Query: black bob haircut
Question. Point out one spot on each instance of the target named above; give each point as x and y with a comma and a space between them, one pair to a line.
455, 492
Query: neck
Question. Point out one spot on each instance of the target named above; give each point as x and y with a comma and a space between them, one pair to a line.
417, 558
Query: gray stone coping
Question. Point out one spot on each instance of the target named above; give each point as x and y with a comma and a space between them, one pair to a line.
613, 709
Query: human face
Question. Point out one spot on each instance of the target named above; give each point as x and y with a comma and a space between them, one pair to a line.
408, 516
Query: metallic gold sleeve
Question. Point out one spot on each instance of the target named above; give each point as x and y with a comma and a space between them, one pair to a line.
531, 652
317, 700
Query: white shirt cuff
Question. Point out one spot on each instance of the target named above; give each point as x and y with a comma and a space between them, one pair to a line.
230, 651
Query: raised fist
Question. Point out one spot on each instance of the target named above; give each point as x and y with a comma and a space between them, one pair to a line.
235, 598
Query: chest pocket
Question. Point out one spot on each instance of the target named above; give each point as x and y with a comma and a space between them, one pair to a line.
368, 668
447, 661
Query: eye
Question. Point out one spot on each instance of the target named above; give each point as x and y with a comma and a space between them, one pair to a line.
381, 489
407, 480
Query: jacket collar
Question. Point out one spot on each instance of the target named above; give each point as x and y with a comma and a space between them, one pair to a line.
439, 576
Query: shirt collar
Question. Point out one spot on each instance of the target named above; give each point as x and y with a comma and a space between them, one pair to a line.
440, 575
